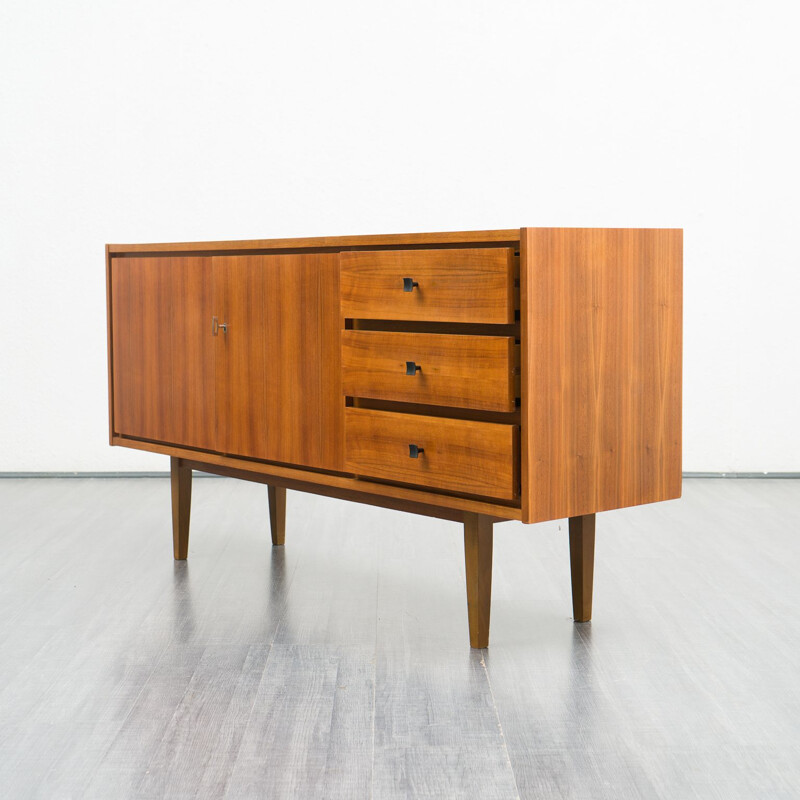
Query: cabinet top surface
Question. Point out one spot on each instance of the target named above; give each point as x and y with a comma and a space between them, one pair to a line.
510, 236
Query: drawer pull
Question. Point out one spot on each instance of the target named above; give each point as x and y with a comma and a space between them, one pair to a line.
216, 326
412, 368
409, 284
414, 451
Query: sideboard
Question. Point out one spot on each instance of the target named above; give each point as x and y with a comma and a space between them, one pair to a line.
526, 374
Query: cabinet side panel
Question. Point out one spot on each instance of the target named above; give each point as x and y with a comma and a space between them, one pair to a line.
602, 357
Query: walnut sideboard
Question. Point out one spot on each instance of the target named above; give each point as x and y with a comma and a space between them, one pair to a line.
528, 374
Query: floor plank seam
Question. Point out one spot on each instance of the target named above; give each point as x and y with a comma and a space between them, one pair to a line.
499, 724
286, 591
99, 763
167, 728
374, 680
145, 685
271, 646
226, 788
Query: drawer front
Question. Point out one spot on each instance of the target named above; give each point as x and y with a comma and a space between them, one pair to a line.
456, 455
437, 369
457, 285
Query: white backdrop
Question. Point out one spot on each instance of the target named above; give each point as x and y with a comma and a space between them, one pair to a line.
159, 121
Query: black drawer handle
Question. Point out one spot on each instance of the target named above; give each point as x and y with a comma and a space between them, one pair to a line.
409, 284
412, 368
414, 451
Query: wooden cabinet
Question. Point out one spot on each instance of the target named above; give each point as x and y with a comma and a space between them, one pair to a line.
527, 374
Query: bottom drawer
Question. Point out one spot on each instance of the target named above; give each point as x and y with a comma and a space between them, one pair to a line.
457, 455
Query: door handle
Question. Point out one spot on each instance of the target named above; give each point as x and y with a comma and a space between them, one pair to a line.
216, 326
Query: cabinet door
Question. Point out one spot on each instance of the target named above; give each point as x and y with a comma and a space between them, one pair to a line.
162, 353
278, 382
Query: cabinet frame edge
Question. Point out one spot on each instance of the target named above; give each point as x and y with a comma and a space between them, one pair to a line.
109, 327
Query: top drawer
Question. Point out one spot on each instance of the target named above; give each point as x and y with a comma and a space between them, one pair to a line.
454, 285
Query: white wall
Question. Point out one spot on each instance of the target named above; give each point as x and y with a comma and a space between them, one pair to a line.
158, 121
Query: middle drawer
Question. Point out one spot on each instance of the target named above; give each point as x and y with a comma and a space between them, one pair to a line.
432, 368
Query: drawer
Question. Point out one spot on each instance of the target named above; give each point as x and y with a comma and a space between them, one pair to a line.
457, 455
454, 285
431, 368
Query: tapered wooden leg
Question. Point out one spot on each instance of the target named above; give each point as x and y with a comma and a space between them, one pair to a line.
277, 513
581, 556
181, 478
478, 535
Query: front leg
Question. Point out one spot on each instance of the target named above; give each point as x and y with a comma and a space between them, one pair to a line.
277, 513
581, 554
478, 539
181, 480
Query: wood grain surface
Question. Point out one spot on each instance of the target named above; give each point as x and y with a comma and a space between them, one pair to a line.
601, 369
467, 371
456, 285
277, 514
162, 350
278, 365
266, 386
459, 455
242, 374
337, 242
581, 560
181, 494
478, 544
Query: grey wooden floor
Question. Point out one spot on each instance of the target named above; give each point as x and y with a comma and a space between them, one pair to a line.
339, 665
